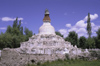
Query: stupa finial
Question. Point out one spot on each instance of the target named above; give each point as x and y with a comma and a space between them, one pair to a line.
46, 11
46, 17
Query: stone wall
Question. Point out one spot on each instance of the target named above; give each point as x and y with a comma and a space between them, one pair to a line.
10, 57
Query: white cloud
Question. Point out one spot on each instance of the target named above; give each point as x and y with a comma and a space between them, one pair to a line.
20, 18
7, 19
81, 24
81, 30
68, 25
10, 19
95, 28
93, 17
81, 34
2, 28
80, 27
92, 24
63, 31
72, 29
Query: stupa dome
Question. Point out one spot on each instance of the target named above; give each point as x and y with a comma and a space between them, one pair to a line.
46, 28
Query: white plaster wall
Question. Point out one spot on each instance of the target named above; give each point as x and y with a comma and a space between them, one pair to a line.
46, 28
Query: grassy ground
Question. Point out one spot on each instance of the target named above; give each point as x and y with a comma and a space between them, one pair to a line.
70, 63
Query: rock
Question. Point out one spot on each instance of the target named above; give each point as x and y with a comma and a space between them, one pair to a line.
43, 44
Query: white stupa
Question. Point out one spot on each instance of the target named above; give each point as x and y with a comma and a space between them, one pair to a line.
46, 28
46, 41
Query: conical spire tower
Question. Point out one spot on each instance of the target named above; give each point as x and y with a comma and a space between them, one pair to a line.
46, 16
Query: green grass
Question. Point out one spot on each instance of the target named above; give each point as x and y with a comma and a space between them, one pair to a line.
70, 63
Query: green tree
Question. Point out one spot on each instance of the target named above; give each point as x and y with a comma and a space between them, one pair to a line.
98, 33
21, 30
15, 31
16, 40
73, 38
90, 43
19, 25
5, 40
15, 24
98, 38
28, 33
9, 29
14, 35
95, 39
82, 42
59, 34
89, 26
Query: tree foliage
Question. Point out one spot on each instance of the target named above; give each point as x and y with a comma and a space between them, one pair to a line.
98, 33
5, 40
98, 39
72, 37
59, 34
90, 43
28, 33
82, 42
14, 35
89, 26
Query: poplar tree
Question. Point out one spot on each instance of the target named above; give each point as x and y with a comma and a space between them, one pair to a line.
89, 26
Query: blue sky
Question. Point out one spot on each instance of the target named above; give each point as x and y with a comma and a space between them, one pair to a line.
66, 15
